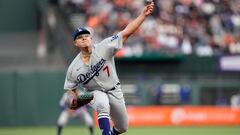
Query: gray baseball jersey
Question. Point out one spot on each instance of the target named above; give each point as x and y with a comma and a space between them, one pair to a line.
100, 74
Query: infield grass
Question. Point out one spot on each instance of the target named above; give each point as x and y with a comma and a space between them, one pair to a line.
75, 130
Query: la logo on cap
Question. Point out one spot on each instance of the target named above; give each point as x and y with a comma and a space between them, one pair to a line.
79, 29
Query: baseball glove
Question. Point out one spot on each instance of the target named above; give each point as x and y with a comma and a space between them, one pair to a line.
81, 100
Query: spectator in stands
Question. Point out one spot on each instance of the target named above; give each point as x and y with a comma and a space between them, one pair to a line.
202, 27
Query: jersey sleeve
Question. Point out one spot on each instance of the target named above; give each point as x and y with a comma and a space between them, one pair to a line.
69, 83
109, 46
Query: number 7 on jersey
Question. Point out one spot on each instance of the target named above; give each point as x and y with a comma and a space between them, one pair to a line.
106, 68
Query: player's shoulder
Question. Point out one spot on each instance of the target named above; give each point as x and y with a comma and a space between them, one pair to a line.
73, 63
115, 37
110, 39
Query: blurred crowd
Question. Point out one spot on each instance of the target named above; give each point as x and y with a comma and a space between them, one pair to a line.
201, 27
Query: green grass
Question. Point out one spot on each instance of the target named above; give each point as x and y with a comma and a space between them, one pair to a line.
74, 130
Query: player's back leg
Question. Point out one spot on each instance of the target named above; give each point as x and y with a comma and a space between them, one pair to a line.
118, 111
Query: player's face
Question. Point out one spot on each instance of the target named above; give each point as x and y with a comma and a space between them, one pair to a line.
83, 40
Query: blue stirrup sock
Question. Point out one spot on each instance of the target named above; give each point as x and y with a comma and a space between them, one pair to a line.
104, 124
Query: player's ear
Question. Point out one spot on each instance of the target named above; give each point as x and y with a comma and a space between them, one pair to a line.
75, 43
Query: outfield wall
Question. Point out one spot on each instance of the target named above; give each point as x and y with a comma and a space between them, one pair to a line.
32, 97
181, 116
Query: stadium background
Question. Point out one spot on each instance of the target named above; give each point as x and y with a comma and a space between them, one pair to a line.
174, 60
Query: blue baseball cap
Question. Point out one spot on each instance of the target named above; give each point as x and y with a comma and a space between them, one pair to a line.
80, 31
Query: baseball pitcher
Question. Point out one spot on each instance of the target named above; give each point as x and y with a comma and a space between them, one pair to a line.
94, 69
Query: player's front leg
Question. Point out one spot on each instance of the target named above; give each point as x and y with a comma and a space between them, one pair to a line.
100, 104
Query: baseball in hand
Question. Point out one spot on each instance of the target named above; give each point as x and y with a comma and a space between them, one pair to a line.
149, 7
149, 1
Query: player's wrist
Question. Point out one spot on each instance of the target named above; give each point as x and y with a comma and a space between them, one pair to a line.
72, 98
143, 16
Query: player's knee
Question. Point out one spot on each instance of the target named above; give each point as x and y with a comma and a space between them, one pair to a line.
103, 107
